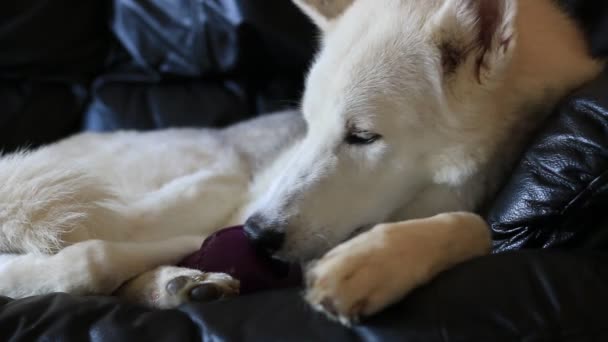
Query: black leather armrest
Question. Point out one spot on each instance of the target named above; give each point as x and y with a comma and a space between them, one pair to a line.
558, 194
517, 296
200, 63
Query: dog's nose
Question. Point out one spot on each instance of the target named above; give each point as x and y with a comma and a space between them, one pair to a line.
266, 238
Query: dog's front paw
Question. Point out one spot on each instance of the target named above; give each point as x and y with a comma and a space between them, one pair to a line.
351, 281
375, 269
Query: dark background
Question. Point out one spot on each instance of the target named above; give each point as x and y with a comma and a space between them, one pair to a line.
68, 65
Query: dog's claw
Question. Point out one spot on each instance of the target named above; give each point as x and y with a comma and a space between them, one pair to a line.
329, 307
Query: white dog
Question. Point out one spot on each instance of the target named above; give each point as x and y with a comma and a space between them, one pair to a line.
412, 109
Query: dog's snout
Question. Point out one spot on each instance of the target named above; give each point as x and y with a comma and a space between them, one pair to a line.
265, 237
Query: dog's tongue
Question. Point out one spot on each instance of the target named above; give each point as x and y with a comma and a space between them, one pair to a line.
230, 251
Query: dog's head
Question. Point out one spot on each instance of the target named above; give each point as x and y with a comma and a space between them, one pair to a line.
379, 101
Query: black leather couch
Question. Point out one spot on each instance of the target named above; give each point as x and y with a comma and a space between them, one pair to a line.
71, 65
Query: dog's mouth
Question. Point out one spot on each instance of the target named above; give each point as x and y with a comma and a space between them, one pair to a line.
288, 256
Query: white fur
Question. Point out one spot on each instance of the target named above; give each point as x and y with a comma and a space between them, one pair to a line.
450, 131
447, 138
94, 211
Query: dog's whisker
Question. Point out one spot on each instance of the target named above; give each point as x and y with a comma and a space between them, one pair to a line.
323, 239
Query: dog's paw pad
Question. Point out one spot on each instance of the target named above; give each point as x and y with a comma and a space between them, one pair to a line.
201, 288
205, 293
177, 284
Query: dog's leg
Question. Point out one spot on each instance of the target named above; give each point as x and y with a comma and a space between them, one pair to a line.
377, 268
54, 209
89, 267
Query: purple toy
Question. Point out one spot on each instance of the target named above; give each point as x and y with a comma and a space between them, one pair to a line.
230, 251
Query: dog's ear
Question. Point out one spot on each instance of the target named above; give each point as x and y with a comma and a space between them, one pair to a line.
477, 33
323, 12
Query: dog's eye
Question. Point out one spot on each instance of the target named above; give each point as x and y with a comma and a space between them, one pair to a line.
361, 138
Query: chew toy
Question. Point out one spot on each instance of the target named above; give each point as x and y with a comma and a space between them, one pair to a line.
230, 251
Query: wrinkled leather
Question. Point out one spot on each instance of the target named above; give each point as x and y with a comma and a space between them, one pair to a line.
558, 194
150, 63
522, 296
200, 63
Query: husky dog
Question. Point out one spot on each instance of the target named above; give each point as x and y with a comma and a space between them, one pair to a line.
413, 113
